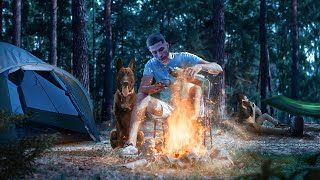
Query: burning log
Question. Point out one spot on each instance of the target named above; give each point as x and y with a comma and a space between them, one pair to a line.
152, 147
188, 159
192, 159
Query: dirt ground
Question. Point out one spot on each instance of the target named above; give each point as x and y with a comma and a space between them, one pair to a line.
89, 160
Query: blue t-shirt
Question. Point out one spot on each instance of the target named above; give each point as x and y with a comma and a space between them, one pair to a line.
159, 71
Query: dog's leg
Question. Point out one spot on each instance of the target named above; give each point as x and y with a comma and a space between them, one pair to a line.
121, 135
114, 138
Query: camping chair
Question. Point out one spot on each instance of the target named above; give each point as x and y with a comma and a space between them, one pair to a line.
206, 120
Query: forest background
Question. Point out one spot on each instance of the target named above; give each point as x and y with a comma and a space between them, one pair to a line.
266, 48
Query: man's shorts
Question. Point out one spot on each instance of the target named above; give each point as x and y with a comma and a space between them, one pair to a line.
167, 110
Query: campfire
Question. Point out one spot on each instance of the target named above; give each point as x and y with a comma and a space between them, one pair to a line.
183, 142
184, 134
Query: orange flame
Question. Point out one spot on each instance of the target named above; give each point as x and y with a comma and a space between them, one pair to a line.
184, 134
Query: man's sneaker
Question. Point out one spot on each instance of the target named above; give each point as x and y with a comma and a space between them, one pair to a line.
129, 151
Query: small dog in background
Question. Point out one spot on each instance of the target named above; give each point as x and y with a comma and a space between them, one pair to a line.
124, 100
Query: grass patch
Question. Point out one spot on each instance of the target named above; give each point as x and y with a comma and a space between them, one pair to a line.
247, 165
86, 153
253, 165
17, 156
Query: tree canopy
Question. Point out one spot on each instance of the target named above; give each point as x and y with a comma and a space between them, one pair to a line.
188, 27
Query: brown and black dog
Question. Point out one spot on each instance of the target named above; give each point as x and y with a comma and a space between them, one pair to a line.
124, 100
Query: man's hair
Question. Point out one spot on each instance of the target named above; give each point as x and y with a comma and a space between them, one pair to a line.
155, 38
241, 97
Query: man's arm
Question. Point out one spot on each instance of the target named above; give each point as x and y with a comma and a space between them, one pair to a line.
257, 110
148, 88
212, 68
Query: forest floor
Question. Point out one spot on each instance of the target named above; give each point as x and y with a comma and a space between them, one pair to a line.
89, 160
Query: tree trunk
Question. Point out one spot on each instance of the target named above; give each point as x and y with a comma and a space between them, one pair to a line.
0, 20
53, 37
295, 60
106, 114
17, 23
162, 24
264, 65
80, 43
94, 46
94, 89
218, 91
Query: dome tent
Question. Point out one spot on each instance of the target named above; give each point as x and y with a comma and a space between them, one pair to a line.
51, 95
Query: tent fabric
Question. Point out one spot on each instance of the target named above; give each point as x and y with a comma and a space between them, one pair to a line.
64, 121
12, 57
294, 107
45, 95
54, 96
76, 94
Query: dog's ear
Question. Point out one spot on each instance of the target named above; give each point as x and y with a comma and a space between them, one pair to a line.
132, 65
119, 64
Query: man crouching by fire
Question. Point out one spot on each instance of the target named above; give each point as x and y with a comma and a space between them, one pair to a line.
158, 68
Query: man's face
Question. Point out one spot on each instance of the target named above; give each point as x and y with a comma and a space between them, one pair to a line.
160, 51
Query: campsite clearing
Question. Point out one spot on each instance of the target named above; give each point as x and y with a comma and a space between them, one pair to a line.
98, 160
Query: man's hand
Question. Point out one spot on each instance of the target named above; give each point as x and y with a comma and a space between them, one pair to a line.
193, 70
157, 87
148, 88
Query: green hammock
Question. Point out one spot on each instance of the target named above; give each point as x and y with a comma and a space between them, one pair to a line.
294, 107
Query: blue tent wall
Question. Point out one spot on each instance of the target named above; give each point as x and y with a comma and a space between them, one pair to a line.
9, 96
42, 94
71, 107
